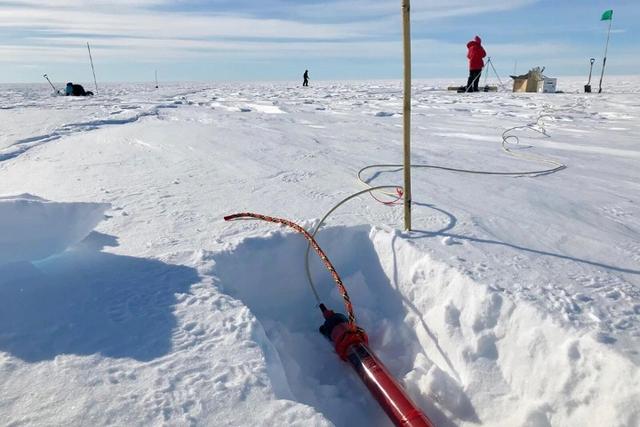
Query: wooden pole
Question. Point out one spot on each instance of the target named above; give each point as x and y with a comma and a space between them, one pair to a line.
406, 112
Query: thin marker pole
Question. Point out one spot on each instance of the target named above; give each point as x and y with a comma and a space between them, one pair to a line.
92, 69
406, 114
604, 60
490, 62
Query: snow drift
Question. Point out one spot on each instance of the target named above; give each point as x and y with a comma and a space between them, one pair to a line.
32, 228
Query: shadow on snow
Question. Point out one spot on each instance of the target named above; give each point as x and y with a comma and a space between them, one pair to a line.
86, 302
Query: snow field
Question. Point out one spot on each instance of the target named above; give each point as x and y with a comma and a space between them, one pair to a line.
514, 302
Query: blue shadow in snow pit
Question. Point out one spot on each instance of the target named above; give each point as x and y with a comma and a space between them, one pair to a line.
86, 302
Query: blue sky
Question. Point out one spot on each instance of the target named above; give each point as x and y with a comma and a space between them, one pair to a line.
278, 39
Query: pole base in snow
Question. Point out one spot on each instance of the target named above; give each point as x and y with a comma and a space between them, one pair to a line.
587, 88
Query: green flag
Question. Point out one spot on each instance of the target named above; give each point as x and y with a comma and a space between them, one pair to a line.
607, 15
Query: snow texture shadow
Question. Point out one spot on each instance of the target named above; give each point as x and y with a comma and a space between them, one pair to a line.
85, 302
452, 221
268, 276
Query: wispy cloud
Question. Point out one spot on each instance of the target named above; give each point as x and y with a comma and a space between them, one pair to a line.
133, 20
179, 25
39, 31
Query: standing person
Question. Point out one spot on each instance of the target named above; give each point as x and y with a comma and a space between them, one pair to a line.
475, 53
306, 78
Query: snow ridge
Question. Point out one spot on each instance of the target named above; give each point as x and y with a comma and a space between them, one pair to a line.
33, 228
21, 146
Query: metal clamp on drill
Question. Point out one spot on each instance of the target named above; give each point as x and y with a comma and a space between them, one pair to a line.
337, 329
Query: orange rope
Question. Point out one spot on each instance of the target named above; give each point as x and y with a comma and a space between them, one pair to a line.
336, 278
395, 201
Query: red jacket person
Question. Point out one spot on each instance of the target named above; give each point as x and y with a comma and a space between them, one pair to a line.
475, 53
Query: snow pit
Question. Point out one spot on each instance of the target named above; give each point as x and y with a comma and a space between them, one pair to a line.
33, 228
466, 353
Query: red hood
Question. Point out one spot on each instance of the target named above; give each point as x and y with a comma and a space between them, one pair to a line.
476, 41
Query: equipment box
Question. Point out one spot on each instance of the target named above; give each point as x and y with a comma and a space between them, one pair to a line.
547, 85
520, 85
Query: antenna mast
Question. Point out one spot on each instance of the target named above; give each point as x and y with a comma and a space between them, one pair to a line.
92, 68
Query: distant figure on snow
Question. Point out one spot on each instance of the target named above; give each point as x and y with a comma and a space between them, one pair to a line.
306, 78
76, 90
475, 54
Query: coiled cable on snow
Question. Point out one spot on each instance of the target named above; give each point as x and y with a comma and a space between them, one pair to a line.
507, 139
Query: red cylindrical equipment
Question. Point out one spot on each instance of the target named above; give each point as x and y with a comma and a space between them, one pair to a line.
351, 345
389, 394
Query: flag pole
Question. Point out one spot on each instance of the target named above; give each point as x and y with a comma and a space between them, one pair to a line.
604, 60
406, 113
92, 69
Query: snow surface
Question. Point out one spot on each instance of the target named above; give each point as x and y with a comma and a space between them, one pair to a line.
514, 302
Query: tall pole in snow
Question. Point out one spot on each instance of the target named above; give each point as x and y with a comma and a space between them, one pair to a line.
606, 46
92, 69
406, 112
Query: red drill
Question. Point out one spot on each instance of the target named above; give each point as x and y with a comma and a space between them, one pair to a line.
351, 345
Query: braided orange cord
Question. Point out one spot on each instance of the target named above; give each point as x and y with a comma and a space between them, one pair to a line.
336, 278
396, 201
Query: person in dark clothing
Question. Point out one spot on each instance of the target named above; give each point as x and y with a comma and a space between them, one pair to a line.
76, 90
306, 78
472, 81
475, 53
